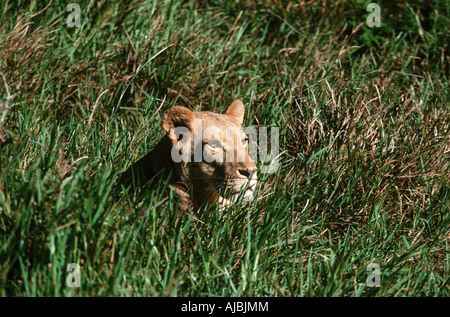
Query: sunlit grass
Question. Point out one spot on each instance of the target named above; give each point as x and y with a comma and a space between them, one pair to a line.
363, 118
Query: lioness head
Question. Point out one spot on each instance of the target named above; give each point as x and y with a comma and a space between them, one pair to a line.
210, 153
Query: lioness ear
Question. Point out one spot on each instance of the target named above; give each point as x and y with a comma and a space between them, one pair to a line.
177, 117
236, 111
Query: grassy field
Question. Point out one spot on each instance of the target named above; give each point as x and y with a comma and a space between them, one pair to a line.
363, 114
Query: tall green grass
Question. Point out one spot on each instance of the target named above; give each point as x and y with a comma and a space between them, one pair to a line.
364, 135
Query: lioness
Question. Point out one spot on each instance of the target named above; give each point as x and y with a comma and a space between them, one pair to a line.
204, 155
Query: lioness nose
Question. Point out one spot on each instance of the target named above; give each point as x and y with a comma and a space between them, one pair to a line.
246, 172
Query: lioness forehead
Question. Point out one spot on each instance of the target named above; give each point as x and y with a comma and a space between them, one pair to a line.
217, 126
218, 120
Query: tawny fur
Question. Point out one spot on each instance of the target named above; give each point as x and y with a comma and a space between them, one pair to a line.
197, 183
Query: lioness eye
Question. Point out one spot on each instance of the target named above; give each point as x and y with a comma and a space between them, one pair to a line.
215, 144
244, 141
